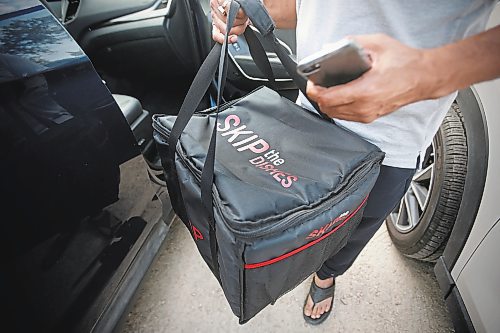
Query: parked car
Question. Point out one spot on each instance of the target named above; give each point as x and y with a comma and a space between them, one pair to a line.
82, 220
86, 209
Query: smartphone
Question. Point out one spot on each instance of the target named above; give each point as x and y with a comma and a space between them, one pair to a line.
335, 64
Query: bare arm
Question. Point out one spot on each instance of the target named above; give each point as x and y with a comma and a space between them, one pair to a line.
401, 75
458, 65
282, 12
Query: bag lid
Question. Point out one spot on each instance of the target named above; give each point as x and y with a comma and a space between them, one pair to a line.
273, 158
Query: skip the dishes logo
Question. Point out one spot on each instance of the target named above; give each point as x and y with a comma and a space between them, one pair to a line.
267, 159
327, 227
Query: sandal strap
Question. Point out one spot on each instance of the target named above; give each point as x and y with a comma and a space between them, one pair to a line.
319, 294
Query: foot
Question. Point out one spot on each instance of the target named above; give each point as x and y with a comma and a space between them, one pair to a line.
316, 310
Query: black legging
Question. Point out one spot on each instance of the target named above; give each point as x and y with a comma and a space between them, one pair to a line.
390, 187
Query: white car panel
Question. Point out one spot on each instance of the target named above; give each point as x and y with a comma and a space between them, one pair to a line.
477, 270
488, 94
478, 284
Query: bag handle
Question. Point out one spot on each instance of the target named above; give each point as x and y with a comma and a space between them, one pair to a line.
263, 22
258, 54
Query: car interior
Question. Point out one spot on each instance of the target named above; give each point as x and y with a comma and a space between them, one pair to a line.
147, 52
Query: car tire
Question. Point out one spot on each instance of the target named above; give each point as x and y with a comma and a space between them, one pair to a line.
421, 225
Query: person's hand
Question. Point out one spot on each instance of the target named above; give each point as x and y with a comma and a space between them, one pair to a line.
398, 77
219, 11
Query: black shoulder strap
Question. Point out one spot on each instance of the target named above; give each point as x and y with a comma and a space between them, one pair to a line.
207, 175
193, 98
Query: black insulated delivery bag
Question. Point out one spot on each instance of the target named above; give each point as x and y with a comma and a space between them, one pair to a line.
267, 189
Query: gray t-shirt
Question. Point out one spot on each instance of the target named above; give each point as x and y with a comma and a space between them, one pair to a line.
405, 133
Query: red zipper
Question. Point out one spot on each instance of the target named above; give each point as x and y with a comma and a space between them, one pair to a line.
305, 246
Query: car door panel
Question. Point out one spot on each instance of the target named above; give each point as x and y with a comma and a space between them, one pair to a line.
147, 45
78, 204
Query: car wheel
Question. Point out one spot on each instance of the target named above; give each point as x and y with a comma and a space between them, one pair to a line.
421, 225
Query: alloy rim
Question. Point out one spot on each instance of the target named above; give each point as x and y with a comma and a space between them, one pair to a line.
408, 215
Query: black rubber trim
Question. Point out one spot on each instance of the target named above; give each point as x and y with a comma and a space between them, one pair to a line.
443, 276
458, 313
456, 307
477, 157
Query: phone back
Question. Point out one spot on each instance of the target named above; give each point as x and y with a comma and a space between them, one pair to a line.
345, 64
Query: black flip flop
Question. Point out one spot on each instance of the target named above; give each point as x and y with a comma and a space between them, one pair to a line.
317, 295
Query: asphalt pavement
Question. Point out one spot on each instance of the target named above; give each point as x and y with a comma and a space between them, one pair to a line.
383, 292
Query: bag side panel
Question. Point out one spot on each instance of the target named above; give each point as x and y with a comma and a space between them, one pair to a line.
230, 266
175, 199
230, 251
197, 222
